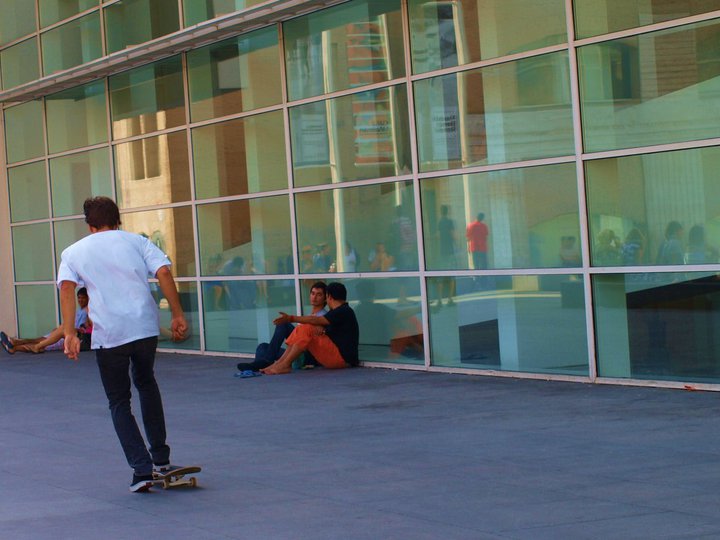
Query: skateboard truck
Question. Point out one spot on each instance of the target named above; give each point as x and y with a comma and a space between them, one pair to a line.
177, 477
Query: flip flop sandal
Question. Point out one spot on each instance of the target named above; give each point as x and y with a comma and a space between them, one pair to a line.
5, 341
247, 374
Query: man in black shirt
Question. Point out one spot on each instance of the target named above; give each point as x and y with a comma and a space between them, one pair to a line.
332, 338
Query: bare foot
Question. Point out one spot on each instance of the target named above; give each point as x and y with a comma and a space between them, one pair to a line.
277, 369
36, 349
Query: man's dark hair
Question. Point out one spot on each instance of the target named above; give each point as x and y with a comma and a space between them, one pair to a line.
101, 212
319, 285
337, 291
82, 291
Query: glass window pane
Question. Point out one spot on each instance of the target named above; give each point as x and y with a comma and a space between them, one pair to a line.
531, 323
651, 89
132, 22
594, 17
197, 11
52, 11
151, 171
146, 99
189, 303
72, 44
234, 158
77, 117
67, 232
36, 310
238, 314
32, 252
76, 177
235, 75
657, 326
446, 34
24, 132
530, 219
640, 213
389, 315
19, 64
362, 229
244, 237
18, 19
28, 192
170, 229
509, 112
343, 47
351, 138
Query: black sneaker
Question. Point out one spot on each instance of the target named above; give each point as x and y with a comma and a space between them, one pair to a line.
141, 483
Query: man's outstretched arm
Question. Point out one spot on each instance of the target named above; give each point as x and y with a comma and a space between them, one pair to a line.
178, 326
304, 319
67, 309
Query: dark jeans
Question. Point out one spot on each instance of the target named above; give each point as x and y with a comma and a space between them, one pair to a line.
116, 364
267, 353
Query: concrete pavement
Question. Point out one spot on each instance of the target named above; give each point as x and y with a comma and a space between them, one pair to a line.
359, 454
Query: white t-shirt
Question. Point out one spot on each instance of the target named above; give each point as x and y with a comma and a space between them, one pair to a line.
114, 266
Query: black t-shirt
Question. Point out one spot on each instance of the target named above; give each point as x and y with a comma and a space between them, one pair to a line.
344, 332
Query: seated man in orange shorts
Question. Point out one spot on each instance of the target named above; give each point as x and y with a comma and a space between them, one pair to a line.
332, 338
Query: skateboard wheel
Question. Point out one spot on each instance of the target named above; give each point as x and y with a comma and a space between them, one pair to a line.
193, 482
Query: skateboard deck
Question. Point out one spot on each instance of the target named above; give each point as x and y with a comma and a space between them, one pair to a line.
177, 477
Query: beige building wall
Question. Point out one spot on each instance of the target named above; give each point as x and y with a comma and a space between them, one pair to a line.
7, 291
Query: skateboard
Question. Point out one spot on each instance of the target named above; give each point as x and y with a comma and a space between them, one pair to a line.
176, 477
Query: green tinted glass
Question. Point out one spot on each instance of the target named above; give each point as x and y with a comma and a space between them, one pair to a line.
389, 315
235, 75
342, 47
234, 158
594, 17
170, 229
133, 22
361, 229
19, 64
353, 137
18, 19
189, 303
52, 11
32, 252
655, 208
530, 219
67, 232
72, 44
77, 117
28, 192
197, 11
36, 310
641, 91
244, 237
531, 323
24, 131
147, 99
238, 314
445, 34
510, 112
76, 177
657, 326
152, 171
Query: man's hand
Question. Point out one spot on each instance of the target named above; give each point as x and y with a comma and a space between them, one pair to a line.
179, 328
72, 346
284, 318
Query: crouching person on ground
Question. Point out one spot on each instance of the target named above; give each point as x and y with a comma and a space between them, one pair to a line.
332, 339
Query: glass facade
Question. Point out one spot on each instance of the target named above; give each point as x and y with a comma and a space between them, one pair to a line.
504, 186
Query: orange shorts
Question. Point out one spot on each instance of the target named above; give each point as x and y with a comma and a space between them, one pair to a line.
319, 345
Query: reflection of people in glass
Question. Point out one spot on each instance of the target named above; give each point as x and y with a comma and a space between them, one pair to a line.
607, 249
351, 258
671, 250
698, 251
403, 241
306, 260
322, 260
477, 233
633, 250
381, 260
446, 240
239, 294
569, 253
